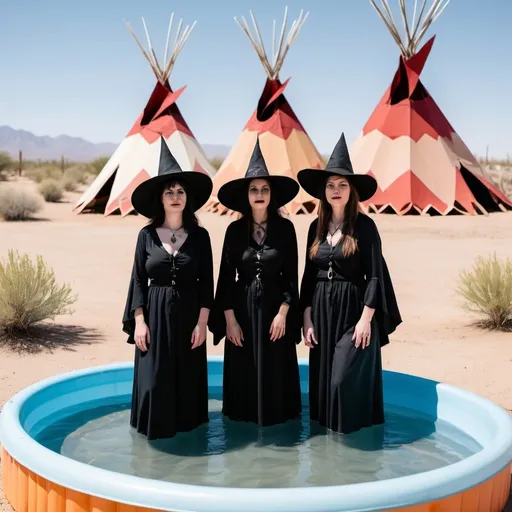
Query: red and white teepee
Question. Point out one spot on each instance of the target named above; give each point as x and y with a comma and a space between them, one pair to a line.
136, 158
284, 142
420, 162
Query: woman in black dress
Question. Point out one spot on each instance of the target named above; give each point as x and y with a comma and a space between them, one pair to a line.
168, 303
256, 302
347, 299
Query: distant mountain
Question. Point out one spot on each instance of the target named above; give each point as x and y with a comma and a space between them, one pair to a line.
43, 147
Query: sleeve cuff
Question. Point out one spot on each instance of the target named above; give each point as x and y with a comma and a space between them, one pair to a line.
371, 296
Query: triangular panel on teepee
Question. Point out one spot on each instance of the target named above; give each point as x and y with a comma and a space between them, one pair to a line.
136, 158
283, 139
420, 162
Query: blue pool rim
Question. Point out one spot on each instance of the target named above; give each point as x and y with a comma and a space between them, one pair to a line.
488, 423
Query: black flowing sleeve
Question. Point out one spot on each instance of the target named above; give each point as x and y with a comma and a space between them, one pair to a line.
290, 280
379, 294
225, 292
138, 288
308, 283
206, 273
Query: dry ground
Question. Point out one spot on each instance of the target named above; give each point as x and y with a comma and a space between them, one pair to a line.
437, 339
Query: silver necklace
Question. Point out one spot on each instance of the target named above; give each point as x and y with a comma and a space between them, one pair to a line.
261, 230
173, 234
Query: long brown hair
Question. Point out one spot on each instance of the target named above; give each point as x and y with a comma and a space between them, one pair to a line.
348, 240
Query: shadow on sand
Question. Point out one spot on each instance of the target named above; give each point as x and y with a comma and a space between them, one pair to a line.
49, 337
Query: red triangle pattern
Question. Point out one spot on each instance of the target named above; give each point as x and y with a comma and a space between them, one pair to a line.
161, 115
123, 200
409, 118
198, 167
405, 190
283, 121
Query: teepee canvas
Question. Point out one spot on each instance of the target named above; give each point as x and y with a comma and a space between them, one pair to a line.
420, 162
284, 142
136, 158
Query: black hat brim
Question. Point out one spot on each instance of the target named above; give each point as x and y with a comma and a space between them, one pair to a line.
233, 194
312, 181
146, 199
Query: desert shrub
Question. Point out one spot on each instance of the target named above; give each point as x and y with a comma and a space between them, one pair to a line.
44, 172
29, 293
6, 162
487, 290
16, 203
98, 164
69, 183
216, 162
505, 183
51, 190
78, 173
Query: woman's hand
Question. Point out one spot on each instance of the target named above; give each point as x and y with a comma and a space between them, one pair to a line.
362, 332
234, 332
308, 329
278, 327
141, 336
309, 334
198, 335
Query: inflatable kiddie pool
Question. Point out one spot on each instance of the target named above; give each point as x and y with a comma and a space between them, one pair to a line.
37, 479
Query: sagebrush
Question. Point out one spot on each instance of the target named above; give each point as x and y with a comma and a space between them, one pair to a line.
51, 190
16, 203
487, 290
29, 292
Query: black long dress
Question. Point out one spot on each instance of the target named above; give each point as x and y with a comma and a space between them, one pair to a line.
261, 381
345, 383
170, 387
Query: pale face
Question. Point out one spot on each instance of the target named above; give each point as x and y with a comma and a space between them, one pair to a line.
174, 199
259, 194
337, 191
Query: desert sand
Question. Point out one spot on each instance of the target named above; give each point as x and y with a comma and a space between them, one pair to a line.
437, 340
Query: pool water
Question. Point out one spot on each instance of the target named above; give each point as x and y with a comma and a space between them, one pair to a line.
226, 453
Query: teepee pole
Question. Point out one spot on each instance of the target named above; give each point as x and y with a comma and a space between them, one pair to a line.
162, 72
169, 30
150, 47
415, 28
147, 57
279, 51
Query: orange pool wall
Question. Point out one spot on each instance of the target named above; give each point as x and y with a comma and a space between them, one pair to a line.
28, 492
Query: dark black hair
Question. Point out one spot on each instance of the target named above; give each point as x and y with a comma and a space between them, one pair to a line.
190, 220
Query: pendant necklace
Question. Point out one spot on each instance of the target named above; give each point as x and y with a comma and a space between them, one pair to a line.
260, 231
173, 235
332, 233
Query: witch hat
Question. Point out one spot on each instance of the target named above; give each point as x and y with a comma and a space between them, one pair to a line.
234, 195
339, 164
146, 196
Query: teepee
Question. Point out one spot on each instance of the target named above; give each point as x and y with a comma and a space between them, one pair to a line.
136, 158
284, 142
420, 162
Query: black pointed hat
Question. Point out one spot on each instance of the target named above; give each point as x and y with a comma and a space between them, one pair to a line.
234, 195
146, 196
313, 180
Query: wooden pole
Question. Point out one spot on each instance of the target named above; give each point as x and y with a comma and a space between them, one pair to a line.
20, 162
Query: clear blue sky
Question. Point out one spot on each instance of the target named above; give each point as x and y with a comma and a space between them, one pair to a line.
70, 66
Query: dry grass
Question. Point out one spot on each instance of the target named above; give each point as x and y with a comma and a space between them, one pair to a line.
487, 290
29, 293
51, 189
18, 203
